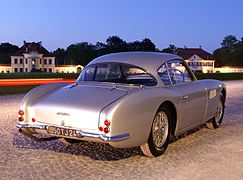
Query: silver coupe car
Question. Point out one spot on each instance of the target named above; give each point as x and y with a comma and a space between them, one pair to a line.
125, 99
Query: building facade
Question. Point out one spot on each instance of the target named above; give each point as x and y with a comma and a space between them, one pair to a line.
33, 57
229, 69
197, 59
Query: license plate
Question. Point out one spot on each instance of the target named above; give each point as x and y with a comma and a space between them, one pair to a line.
61, 131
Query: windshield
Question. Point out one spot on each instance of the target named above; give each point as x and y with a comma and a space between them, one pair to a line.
117, 73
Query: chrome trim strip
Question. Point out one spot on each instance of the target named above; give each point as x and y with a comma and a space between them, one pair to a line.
104, 137
19, 125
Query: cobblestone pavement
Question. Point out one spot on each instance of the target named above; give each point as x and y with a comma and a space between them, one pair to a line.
204, 154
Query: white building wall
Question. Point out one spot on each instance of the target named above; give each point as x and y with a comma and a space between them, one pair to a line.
68, 69
5, 69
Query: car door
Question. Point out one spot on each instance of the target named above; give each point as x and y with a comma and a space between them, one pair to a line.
193, 95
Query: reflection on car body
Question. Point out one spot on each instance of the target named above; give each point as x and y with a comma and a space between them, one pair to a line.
125, 99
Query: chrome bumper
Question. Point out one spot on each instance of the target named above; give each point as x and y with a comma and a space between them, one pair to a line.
81, 134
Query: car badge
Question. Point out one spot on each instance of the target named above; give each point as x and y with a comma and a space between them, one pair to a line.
63, 114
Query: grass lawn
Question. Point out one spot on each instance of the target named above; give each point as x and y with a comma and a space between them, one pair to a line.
6, 90
220, 76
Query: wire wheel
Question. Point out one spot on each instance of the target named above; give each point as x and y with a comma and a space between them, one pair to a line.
160, 129
219, 112
160, 133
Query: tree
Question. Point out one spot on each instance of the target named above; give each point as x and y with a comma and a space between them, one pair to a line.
148, 45
80, 53
115, 44
230, 53
171, 49
60, 55
238, 53
6, 50
229, 43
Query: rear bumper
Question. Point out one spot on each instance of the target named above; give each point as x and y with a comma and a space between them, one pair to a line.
81, 134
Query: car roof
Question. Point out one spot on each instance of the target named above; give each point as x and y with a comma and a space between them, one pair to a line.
149, 61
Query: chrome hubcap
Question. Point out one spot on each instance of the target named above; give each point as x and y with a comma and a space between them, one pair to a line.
160, 129
219, 112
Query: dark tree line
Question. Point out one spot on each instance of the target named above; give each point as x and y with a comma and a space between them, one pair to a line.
230, 52
84, 52
6, 49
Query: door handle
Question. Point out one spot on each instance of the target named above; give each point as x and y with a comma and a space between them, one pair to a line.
184, 97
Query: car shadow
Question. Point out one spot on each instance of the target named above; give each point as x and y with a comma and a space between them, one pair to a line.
96, 151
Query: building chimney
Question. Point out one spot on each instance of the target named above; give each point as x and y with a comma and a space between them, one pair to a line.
40, 45
200, 47
184, 47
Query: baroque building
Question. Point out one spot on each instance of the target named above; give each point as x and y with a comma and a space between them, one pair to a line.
32, 57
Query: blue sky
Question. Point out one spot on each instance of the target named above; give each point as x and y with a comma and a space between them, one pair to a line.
58, 23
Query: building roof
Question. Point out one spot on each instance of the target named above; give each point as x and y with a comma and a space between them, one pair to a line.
33, 46
5, 65
186, 53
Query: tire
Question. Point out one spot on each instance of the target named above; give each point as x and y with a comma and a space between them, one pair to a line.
216, 121
160, 133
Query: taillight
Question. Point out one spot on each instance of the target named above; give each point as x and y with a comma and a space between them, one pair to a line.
106, 130
106, 123
106, 127
21, 119
101, 128
21, 112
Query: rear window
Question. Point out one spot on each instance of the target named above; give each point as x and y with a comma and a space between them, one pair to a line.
117, 73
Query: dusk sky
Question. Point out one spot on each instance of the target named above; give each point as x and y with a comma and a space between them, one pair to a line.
59, 23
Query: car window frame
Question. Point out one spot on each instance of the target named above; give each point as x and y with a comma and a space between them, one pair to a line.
120, 64
191, 75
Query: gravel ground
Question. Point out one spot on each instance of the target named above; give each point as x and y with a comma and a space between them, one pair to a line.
204, 154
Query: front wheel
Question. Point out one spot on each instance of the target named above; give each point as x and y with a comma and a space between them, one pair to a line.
216, 121
159, 134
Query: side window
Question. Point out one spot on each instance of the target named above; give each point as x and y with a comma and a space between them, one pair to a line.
89, 73
107, 72
163, 74
174, 72
178, 72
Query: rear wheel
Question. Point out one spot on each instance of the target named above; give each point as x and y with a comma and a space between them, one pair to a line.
159, 134
216, 121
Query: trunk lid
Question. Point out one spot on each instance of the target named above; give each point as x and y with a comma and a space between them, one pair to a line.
76, 107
